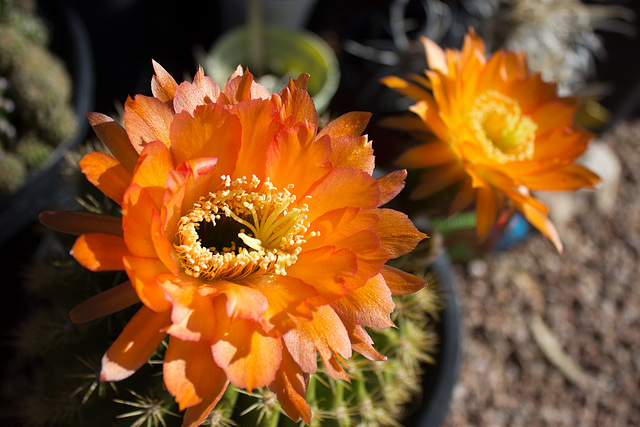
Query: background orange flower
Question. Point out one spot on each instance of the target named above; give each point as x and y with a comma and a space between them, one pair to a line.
253, 240
493, 128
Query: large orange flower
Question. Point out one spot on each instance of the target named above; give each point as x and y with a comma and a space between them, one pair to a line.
253, 240
497, 130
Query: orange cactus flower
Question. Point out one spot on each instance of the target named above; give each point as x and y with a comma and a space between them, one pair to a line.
497, 130
254, 241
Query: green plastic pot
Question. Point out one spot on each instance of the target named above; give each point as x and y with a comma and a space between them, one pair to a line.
287, 53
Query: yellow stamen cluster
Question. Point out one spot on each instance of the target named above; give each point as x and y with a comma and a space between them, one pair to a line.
504, 133
272, 229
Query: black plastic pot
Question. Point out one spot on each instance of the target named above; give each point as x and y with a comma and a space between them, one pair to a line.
44, 189
440, 378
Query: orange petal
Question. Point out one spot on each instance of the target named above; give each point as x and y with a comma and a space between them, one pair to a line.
290, 386
371, 257
473, 45
405, 87
106, 173
432, 153
433, 113
435, 55
302, 348
163, 85
436, 179
492, 76
135, 345
486, 212
390, 185
287, 300
398, 235
539, 219
162, 246
531, 92
340, 188
349, 124
201, 173
115, 138
326, 333
325, 269
137, 212
338, 224
362, 342
297, 102
212, 132
206, 84
190, 374
558, 145
408, 123
143, 272
284, 158
241, 87
550, 116
348, 147
153, 169
189, 95
99, 251
349, 229
401, 282
147, 119
194, 321
437, 111
249, 358
195, 415
185, 186
355, 152
334, 369
242, 302
369, 305
465, 196
105, 303
258, 130
569, 178
78, 223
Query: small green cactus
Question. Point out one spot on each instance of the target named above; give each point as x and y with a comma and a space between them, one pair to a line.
33, 151
12, 172
40, 85
12, 44
30, 25
35, 90
7, 106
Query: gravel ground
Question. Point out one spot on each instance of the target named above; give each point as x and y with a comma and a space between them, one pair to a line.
553, 339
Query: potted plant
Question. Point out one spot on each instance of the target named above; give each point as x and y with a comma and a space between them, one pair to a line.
46, 85
274, 53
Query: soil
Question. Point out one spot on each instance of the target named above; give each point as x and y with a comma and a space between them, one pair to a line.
552, 339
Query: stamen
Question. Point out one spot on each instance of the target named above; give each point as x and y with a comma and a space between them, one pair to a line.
504, 133
276, 227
